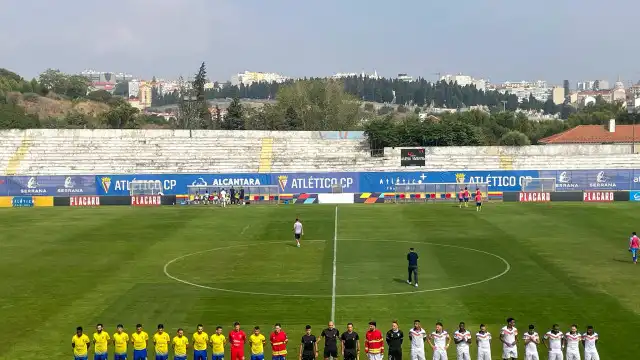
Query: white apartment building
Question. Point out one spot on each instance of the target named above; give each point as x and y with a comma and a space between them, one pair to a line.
593, 85
522, 89
362, 74
464, 80
249, 77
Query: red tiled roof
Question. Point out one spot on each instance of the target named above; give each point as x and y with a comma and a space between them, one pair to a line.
595, 134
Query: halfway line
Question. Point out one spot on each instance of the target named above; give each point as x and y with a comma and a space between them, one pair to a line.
335, 253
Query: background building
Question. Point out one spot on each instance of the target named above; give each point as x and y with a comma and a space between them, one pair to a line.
249, 77
101, 80
464, 80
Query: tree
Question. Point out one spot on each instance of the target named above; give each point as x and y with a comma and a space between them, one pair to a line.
234, 119
204, 115
100, 96
122, 89
514, 138
121, 116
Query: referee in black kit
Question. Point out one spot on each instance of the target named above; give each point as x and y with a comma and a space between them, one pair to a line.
412, 258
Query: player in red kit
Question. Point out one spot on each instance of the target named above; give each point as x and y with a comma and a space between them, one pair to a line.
460, 198
478, 201
374, 343
279, 342
465, 195
237, 338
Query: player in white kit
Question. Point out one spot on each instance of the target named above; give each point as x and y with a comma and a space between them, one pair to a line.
555, 341
462, 338
223, 198
589, 341
483, 340
531, 341
417, 336
573, 339
439, 341
297, 231
509, 338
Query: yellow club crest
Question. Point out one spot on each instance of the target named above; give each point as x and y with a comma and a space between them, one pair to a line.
106, 183
460, 178
282, 181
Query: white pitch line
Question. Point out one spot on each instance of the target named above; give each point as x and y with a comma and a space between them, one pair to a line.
335, 257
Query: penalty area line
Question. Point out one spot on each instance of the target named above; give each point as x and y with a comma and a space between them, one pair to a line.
335, 257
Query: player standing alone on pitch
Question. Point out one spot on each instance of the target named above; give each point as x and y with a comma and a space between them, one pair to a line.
308, 345
439, 341
418, 336
634, 247
531, 341
573, 339
509, 338
394, 341
373, 343
297, 231
330, 336
412, 258
478, 200
589, 341
462, 338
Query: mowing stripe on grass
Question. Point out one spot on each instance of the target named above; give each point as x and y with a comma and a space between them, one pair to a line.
335, 253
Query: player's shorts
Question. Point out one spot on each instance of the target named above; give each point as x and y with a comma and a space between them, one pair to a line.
440, 355
531, 356
308, 355
463, 355
634, 252
217, 356
180, 357
100, 356
591, 355
162, 356
460, 199
417, 355
297, 236
120, 357
466, 199
510, 353
237, 354
257, 356
140, 354
484, 354
199, 354
350, 355
278, 357
82, 357
478, 203
374, 356
330, 353
395, 355
573, 355
555, 355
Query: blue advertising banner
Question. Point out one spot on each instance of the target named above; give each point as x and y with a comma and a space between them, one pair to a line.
576, 180
500, 180
634, 196
296, 183
48, 185
175, 184
22, 201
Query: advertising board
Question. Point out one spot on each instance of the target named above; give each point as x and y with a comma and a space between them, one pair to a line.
91, 200
597, 196
146, 200
316, 183
47, 185
534, 197
412, 157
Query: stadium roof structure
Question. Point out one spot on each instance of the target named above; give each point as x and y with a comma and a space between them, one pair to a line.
595, 134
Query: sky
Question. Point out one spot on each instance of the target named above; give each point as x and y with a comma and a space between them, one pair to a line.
498, 40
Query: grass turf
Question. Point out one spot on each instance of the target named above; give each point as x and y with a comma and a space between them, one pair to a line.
64, 267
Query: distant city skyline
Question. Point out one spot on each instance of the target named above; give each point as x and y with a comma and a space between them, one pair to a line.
500, 41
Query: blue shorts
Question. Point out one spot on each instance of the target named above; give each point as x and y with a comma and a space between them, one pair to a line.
257, 357
460, 199
120, 357
140, 354
466, 199
217, 356
180, 357
478, 203
278, 357
634, 252
83, 357
100, 356
199, 354
162, 356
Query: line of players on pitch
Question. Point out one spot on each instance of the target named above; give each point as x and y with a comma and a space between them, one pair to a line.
439, 340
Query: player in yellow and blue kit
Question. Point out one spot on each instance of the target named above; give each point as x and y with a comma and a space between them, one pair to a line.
200, 341
218, 341
120, 340
101, 342
161, 340
80, 344
257, 341
180, 345
139, 339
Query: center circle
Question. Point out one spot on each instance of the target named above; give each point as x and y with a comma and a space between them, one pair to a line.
250, 269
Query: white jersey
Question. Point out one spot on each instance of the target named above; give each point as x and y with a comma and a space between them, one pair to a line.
555, 341
297, 227
509, 336
440, 340
590, 342
573, 341
417, 339
223, 194
484, 341
532, 347
462, 346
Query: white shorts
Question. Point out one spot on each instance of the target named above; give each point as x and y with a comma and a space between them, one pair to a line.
531, 356
417, 355
484, 354
554, 355
463, 355
510, 353
374, 356
573, 355
591, 355
440, 355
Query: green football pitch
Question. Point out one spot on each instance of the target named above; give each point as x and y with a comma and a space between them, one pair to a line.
180, 266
